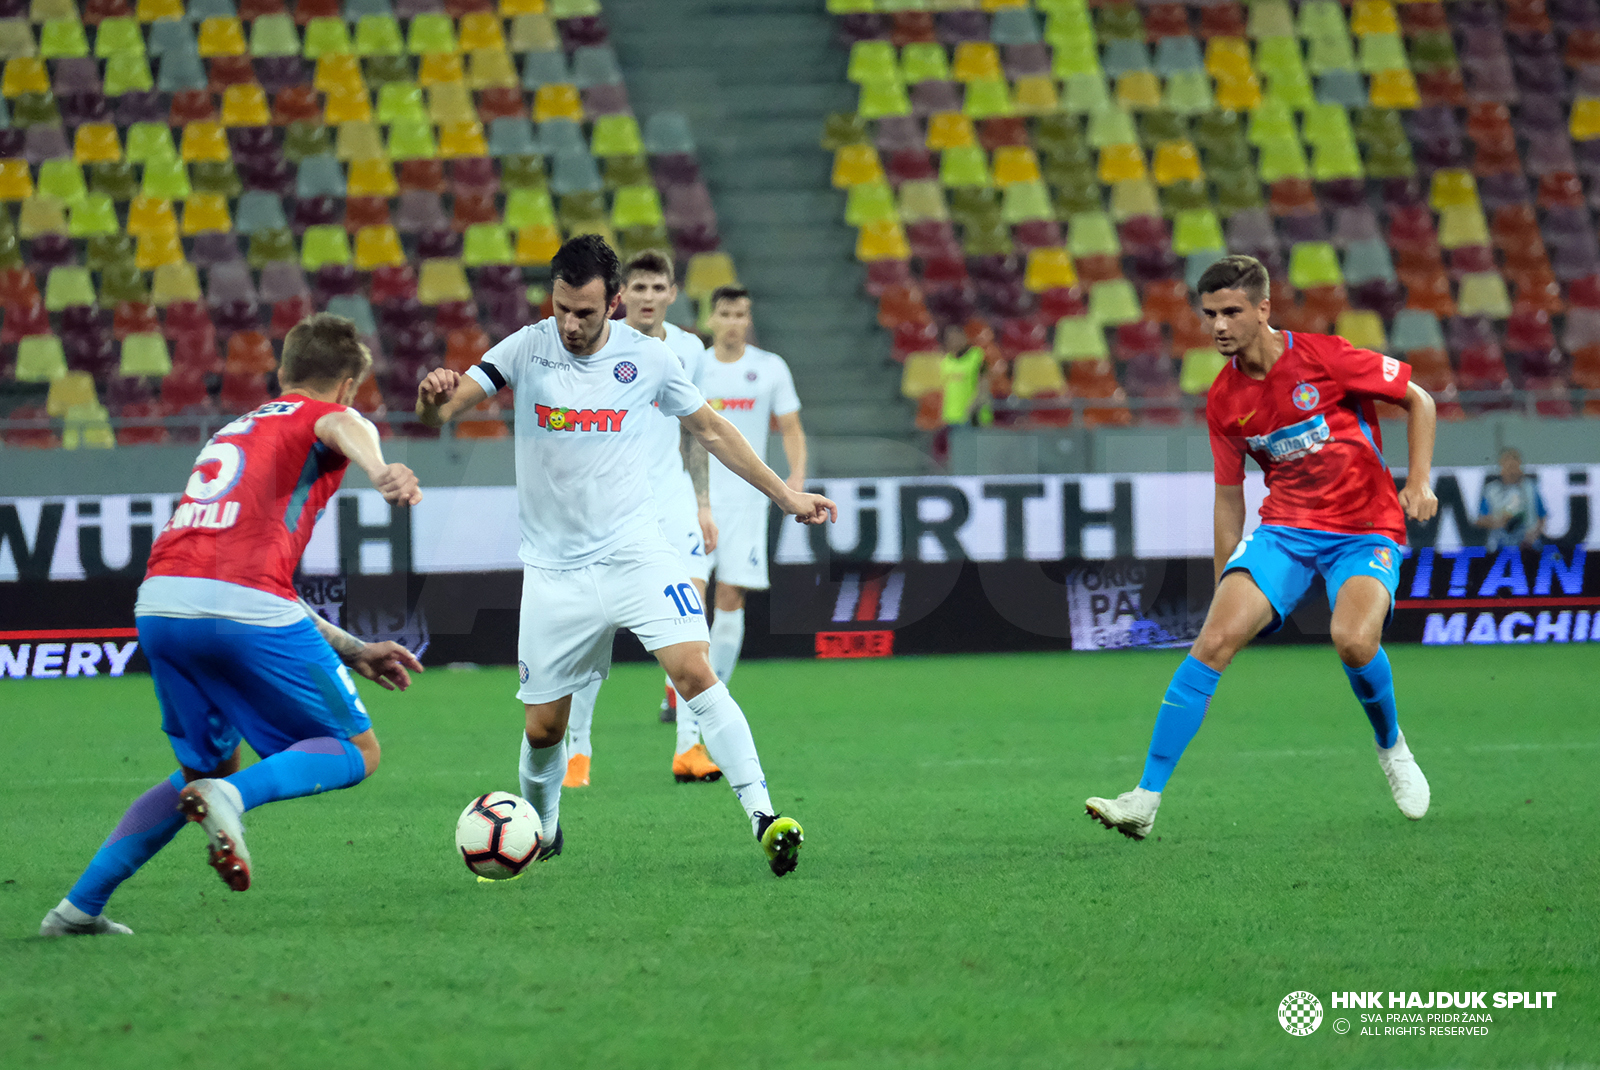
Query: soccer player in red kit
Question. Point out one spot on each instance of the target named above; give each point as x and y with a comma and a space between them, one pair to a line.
1302, 405
234, 654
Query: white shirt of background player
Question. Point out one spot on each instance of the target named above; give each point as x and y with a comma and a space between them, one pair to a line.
726, 375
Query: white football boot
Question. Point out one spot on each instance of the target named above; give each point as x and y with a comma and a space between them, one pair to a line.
1132, 813
1406, 782
216, 805
56, 923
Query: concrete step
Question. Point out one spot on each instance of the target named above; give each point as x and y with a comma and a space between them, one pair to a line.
768, 170
781, 314
854, 417
832, 281
790, 101
798, 243
844, 456
764, 206
825, 343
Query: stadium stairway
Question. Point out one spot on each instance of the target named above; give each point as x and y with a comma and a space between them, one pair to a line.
757, 80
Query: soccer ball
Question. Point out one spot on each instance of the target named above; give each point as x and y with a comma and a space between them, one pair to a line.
498, 835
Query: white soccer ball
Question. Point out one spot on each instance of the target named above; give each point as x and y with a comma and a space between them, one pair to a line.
498, 835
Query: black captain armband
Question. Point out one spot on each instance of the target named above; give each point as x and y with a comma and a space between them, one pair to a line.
493, 373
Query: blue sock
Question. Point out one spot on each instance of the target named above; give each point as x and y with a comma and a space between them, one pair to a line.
1182, 710
308, 767
1373, 684
149, 825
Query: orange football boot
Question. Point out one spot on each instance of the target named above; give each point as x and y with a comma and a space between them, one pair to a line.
577, 772
693, 765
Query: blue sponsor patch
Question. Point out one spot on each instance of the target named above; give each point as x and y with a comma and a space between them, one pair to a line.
1294, 441
625, 371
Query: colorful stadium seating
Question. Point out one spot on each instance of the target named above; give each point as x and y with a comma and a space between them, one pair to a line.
181, 182
1417, 176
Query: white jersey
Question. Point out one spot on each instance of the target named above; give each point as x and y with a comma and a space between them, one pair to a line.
749, 391
585, 427
669, 479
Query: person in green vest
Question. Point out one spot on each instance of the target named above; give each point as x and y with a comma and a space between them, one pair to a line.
960, 375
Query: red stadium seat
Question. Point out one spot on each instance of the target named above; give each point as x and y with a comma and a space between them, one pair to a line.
42, 439
901, 304
243, 391
1096, 380
140, 436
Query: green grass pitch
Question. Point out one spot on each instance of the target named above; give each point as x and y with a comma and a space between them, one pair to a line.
953, 906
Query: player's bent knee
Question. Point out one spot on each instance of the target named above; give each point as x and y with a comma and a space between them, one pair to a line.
1355, 649
546, 723
729, 596
1217, 646
688, 665
695, 682
371, 752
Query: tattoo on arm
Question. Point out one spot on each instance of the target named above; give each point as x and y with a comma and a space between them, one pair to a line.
344, 644
698, 462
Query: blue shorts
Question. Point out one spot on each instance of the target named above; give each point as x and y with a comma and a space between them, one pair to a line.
1283, 561
219, 681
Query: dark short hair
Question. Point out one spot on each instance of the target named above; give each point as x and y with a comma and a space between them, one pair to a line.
324, 349
1236, 272
649, 262
583, 259
728, 293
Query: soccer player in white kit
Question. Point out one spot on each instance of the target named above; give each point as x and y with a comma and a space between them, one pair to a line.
593, 554
754, 390
679, 480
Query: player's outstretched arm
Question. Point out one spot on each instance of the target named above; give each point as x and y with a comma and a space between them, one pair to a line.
1227, 525
446, 394
388, 664
724, 442
1416, 497
350, 433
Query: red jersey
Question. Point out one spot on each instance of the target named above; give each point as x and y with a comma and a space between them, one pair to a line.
1312, 427
255, 494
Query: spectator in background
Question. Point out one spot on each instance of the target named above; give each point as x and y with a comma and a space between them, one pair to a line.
960, 373
1511, 508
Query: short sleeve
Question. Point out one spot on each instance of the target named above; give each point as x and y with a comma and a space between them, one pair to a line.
784, 398
1366, 373
1227, 454
677, 396
498, 367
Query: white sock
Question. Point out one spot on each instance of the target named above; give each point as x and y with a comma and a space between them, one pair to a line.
581, 721
727, 736
541, 771
727, 638
73, 914
688, 724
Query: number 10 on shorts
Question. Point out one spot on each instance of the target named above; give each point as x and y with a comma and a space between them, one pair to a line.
684, 598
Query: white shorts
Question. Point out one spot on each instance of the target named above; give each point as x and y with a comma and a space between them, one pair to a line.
570, 616
741, 554
680, 523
